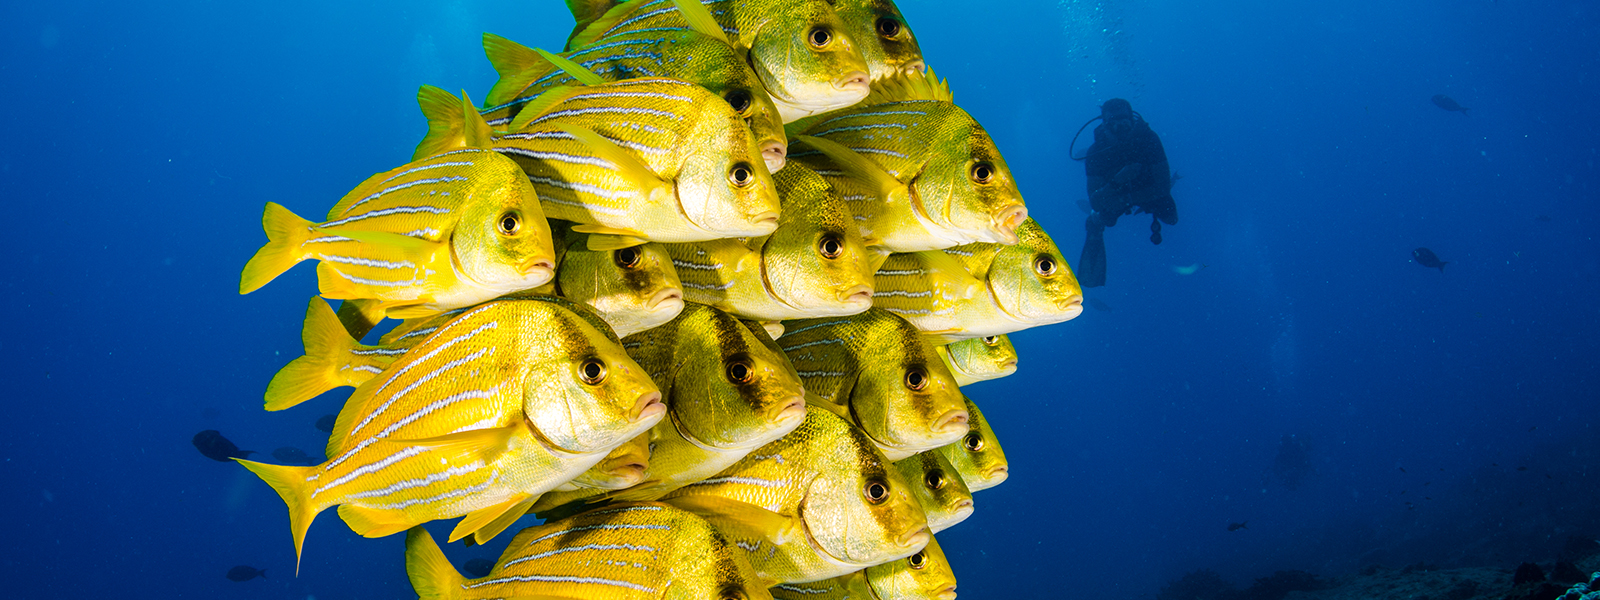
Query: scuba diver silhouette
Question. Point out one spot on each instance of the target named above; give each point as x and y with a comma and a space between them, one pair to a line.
1127, 173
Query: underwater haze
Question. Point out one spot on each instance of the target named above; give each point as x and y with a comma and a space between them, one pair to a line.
1279, 361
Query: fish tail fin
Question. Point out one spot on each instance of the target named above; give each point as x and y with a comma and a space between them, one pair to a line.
286, 232
306, 377
1442, 264
290, 483
518, 66
447, 127
263, 573
431, 574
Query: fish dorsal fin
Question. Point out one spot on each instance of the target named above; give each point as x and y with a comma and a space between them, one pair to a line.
856, 165
482, 444
585, 12
518, 66
627, 164
577, 71
902, 86
475, 130
700, 20
445, 125
539, 106
587, 34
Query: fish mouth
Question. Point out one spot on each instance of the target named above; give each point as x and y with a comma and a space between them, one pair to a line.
774, 153
915, 67
790, 410
959, 513
1070, 309
854, 82
648, 407
1007, 221
627, 475
767, 222
539, 267
946, 593
991, 477
857, 295
955, 421
914, 539
660, 301
1011, 365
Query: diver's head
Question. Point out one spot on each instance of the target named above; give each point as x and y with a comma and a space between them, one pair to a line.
1118, 115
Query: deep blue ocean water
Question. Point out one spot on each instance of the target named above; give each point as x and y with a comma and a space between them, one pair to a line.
1447, 417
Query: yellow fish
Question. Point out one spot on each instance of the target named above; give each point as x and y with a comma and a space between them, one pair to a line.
918, 172
814, 265
945, 498
802, 51
728, 390
979, 290
818, 503
925, 575
695, 57
980, 359
443, 232
644, 551
875, 370
978, 457
634, 288
650, 159
506, 401
886, 40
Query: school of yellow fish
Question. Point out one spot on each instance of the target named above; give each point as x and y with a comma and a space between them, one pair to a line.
700, 292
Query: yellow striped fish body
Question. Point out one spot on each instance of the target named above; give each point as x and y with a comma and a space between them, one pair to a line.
875, 370
443, 232
728, 390
918, 174
633, 288
801, 49
925, 575
677, 54
506, 401
1030, 282
885, 38
980, 359
945, 498
935, 293
814, 265
817, 503
691, 169
978, 457
641, 551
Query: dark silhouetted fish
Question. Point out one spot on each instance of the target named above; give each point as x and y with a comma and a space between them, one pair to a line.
1427, 258
218, 448
1238, 526
293, 456
1450, 104
325, 424
478, 567
1096, 304
246, 573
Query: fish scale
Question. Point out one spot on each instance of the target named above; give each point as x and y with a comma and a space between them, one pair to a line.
623, 552
860, 367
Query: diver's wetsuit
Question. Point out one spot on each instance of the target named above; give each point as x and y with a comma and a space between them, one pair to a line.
1127, 172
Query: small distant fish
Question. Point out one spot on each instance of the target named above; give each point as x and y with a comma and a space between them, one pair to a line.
1530, 429
1402, 469
1522, 468
478, 567
246, 573
1096, 304
211, 443
1450, 104
325, 424
1542, 218
1190, 270
1238, 526
293, 456
1427, 258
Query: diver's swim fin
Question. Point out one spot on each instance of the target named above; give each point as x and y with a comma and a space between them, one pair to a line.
1155, 231
1091, 269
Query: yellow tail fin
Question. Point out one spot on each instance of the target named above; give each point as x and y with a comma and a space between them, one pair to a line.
318, 371
431, 574
286, 231
446, 127
290, 483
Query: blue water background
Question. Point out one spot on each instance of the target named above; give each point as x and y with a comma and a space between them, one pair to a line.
142, 139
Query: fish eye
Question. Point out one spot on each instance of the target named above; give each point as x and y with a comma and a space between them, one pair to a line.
730, 593
592, 371
740, 371
739, 100
935, 479
916, 379
876, 492
918, 560
888, 27
991, 340
510, 223
982, 172
973, 442
741, 175
820, 37
1044, 265
830, 246
627, 258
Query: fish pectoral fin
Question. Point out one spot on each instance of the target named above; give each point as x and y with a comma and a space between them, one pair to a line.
539, 106
480, 521
593, 22
606, 239
627, 164
739, 519
837, 409
374, 523
418, 310
857, 165
483, 444
699, 19
577, 71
